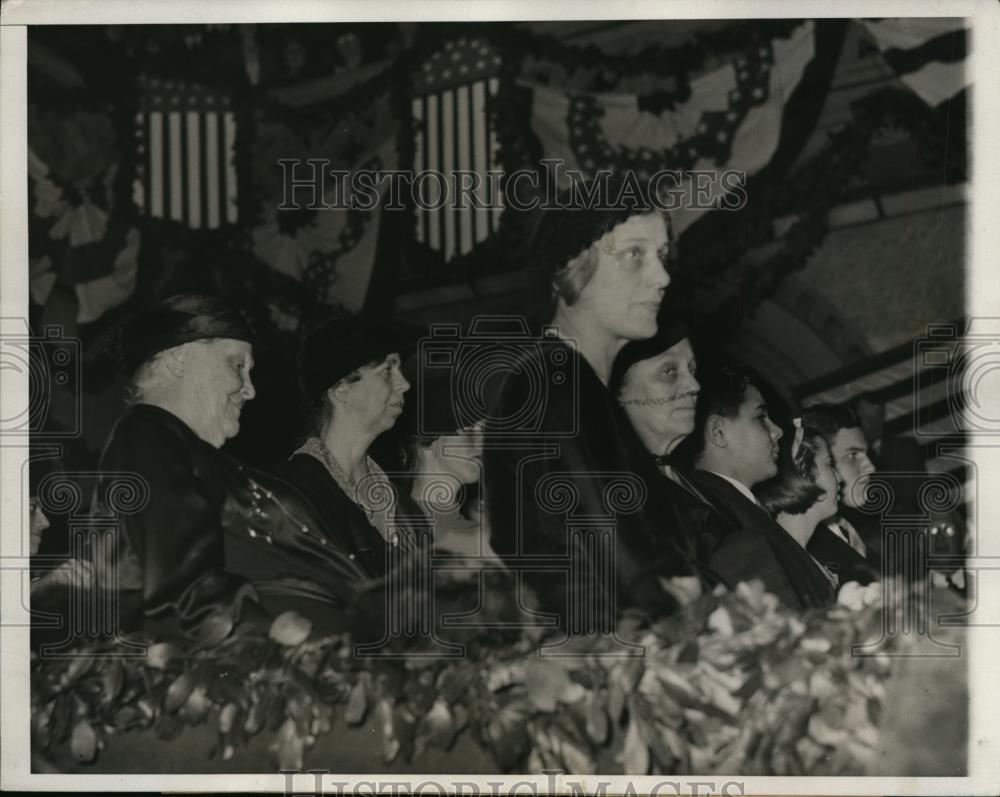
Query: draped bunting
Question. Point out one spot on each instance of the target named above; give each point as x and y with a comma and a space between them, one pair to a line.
731, 121
331, 250
73, 213
328, 88
353, 264
644, 111
928, 54
96, 296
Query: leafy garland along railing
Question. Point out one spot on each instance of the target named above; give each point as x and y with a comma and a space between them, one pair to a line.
733, 682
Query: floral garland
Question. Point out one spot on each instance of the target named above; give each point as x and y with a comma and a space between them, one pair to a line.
733, 682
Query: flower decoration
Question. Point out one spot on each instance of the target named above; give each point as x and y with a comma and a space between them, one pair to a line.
733, 682
854, 596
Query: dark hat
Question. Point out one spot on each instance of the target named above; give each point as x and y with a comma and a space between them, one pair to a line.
174, 321
669, 332
576, 222
342, 345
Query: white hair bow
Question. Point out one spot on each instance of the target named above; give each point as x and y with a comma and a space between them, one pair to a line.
799, 431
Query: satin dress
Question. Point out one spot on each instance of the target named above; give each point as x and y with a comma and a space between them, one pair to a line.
212, 534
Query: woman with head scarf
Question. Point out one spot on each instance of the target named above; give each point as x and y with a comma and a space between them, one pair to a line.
203, 534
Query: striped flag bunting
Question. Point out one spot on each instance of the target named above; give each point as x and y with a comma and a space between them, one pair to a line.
185, 144
927, 53
731, 121
454, 132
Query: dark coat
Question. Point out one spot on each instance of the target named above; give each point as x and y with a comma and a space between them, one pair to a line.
345, 523
840, 558
869, 528
213, 531
761, 549
572, 467
704, 526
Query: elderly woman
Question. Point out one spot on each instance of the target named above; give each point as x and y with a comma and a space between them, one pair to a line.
350, 373
656, 382
205, 533
565, 487
803, 494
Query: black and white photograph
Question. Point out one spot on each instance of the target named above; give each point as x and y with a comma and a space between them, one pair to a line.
513, 398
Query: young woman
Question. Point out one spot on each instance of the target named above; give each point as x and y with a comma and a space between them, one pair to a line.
443, 458
565, 470
804, 493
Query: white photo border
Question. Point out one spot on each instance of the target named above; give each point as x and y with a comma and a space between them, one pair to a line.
982, 301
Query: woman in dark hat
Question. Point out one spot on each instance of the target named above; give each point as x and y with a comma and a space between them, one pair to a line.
201, 534
576, 468
656, 382
350, 374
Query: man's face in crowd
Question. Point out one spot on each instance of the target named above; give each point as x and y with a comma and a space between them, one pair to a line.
627, 286
828, 479
752, 440
850, 456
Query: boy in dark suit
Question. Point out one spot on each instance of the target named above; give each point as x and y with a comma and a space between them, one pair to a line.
735, 448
